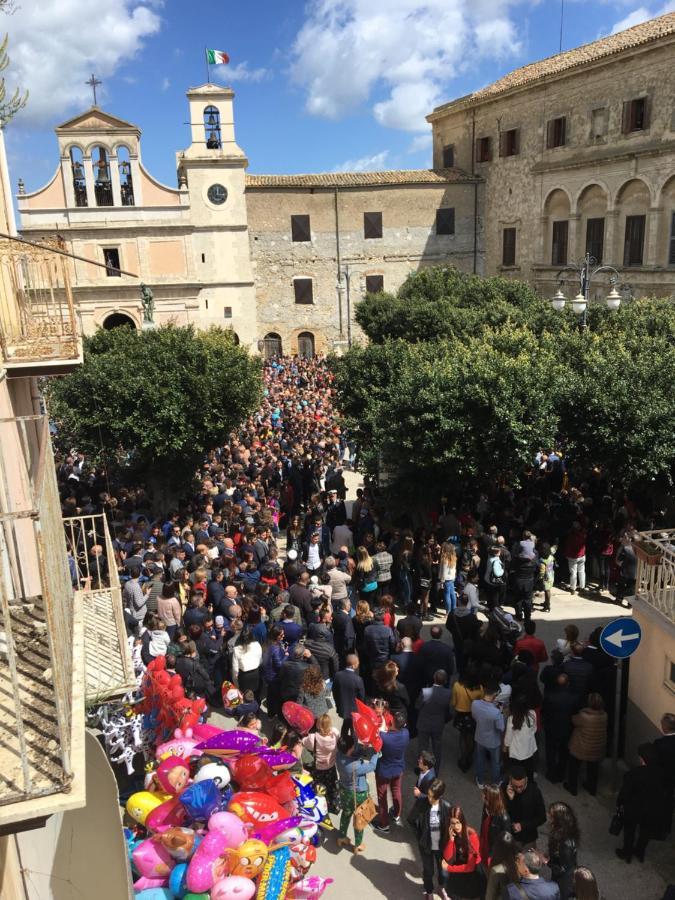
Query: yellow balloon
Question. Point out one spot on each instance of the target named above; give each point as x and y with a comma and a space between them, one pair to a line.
141, 804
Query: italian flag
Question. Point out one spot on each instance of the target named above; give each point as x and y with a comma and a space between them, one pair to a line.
217, 58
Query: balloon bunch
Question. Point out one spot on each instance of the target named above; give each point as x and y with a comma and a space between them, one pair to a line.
221, 816
164, 705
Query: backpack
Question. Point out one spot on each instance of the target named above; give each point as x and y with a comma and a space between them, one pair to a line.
495, 571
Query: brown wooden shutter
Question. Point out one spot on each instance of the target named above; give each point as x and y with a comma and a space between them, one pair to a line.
550, 133
626, 117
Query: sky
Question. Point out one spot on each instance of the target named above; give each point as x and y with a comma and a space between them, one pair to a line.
327, 85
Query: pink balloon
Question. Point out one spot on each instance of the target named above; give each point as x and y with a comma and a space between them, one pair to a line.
152, 859
144, 884
234, 887
166, 815
200, 874
203, 731
267, 833
231, 827
310, 888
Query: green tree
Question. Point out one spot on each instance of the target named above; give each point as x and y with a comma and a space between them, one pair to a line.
159, 399
465, 378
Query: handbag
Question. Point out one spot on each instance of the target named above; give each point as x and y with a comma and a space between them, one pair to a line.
616, 822
425, 583
364, 813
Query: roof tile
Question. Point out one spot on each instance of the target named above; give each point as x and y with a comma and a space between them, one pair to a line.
359, 179
646, 32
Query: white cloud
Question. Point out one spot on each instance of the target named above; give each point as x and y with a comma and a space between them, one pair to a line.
375, 163
240, 72
420, 142
349, 50
166, 84
55, 45
642, 14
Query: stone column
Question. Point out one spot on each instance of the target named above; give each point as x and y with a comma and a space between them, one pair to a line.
67, 175
652, 237
115, 179
573, 251
612, 255
89, 180
136, 180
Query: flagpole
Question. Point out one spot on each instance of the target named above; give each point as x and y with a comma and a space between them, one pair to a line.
208, 68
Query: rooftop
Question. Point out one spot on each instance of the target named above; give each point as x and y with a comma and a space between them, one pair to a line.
637, 36
359, 179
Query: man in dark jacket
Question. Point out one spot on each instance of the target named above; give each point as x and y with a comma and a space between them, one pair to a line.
380, 641
525, 806
343, 630
291, 672
435, 655
196, 680
411, 624
532, 885
347, 687
433, 715
301, 596
389, 771
580, 672
409, 669
560, 704
320, 645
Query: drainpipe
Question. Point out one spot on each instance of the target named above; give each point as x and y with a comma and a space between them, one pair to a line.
475, 193
338, 261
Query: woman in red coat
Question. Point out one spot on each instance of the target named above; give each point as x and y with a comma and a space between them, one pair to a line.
462, 858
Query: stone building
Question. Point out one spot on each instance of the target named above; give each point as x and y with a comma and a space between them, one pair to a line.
188, 244
320, 242
199, 246
578, 154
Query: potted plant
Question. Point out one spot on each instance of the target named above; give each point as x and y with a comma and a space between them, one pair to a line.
649, 552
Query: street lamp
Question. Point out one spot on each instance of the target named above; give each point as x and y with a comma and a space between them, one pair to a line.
586, 272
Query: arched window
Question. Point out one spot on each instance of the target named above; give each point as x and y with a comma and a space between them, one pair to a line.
102, 184
212, 128
306, 344
272, 345
126, 184
118, 320
79, 182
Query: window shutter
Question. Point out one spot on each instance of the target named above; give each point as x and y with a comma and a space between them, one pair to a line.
626, 116
479, 150
502, 143
372, 225
488, 152
563, 131
550, 133
645, 115
300, 228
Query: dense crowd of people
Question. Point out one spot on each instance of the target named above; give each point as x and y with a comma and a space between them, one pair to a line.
269, 586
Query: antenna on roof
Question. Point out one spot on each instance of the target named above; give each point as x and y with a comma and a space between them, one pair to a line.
562, 14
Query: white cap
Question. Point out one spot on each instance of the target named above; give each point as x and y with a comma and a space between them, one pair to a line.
292, 554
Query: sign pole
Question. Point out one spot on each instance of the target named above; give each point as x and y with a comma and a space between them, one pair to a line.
617, 723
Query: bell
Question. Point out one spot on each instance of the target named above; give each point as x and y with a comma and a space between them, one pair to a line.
211, 121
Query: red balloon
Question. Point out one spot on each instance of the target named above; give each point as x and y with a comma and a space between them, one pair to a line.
368, 711
250, 772
281, 787
256, 808
297, 716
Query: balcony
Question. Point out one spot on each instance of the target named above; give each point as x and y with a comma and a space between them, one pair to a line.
39, 330
41, 638
655, 582
108, 668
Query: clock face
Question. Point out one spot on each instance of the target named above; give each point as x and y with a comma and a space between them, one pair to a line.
217, 194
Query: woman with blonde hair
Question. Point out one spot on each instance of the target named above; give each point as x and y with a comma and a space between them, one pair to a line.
366, 574
447, 572
322, 744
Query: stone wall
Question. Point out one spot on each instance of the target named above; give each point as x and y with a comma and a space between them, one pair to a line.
610, 175
408, 242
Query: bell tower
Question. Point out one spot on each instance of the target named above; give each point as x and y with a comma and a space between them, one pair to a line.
213, 169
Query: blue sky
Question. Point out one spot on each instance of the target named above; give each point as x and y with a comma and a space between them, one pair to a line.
326, 85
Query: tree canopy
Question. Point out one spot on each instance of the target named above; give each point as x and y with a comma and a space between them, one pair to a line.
158, 399
465, 378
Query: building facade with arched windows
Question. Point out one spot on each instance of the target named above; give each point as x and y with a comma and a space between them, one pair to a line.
577, 152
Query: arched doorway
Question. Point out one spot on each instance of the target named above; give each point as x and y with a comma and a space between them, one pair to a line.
272, 345
306, 344
117, 320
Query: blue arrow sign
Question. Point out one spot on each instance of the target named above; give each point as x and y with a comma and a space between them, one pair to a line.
621, 638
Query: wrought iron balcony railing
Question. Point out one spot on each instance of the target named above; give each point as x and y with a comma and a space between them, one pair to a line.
109, 670
655, 582
38, 323
41, 658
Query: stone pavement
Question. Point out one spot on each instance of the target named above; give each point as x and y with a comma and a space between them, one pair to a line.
390, 868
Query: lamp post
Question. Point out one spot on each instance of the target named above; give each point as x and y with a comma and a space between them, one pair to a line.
586, 272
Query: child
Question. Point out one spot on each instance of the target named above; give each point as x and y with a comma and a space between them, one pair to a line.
323, 745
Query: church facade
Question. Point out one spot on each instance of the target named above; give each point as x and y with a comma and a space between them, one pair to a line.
282, 260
